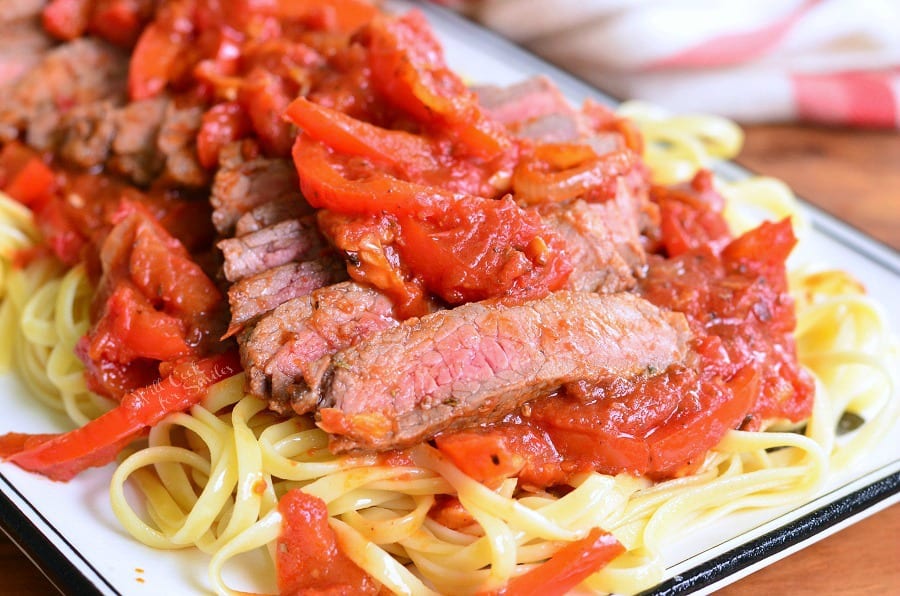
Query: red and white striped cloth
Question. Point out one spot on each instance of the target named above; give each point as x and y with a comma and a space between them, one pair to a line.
833, 61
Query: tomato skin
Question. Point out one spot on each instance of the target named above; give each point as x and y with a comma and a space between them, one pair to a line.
486, 457
475, 250
131, 328
165, 273
309, 559
568, 567
691, 216
153, 304
678, 448
113, 379
222, 124
493, 453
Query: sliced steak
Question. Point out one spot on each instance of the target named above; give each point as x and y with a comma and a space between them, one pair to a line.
177, 143
13, 10
602, 240
124, 139
286, 241
286, 347
254, 296
22, 45
551, 128
267, 214
535, 109
479, 362
524, 101
241, 185
134, 152
77, 73
86, 133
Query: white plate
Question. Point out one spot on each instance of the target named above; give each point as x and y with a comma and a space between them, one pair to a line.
70, 532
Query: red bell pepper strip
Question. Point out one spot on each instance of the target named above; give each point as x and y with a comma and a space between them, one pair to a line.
339, 16
331, 181
63, 456
345, 134
570, 566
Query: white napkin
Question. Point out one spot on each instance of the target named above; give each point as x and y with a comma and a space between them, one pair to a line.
834, 61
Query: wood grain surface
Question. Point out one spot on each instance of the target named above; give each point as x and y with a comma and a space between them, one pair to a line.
855, 175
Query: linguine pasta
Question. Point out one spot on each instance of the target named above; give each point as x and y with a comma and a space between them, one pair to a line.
210, 478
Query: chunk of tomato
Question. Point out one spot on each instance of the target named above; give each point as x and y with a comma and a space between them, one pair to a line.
222, 124
408, 68
131, 328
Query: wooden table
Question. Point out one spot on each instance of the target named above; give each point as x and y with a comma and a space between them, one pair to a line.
856, 176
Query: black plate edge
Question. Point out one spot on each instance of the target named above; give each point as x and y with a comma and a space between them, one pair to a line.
56, 566
772, 543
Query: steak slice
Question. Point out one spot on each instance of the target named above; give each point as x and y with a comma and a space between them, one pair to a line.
241, 185
77, 73
285, 348
12, 10
521, 102
603, 241
23, 43
480, 361
134, 151
254, 296
86, 133
534, 109
267, 214
122, 138
286, 241
177, 144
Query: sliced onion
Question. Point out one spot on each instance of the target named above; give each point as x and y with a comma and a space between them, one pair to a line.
534, 182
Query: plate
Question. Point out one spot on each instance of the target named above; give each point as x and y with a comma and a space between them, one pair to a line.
70, 532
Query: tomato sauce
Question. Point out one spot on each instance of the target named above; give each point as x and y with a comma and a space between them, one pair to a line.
308, 556
154, 302
743, 369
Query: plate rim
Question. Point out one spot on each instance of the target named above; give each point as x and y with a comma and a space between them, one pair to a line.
53, 554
